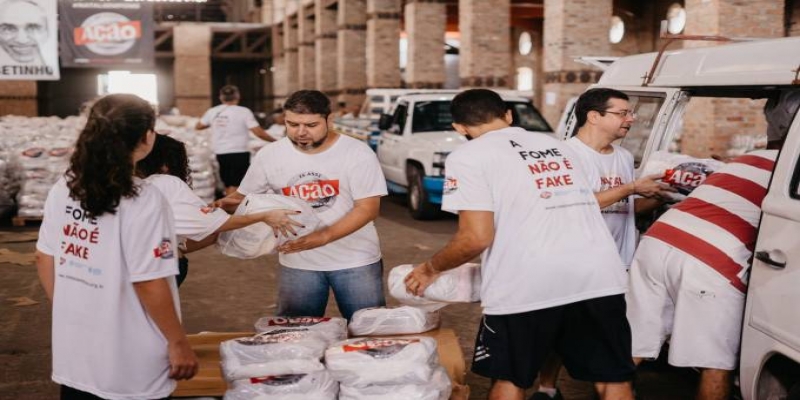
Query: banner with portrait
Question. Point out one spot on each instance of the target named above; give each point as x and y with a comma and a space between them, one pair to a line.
28, 40
106, 33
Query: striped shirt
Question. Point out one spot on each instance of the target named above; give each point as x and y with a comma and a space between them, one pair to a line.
717, 223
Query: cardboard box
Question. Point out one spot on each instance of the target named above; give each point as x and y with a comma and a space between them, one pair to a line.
209, 382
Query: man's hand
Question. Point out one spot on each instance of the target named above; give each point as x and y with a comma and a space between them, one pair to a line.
311, 241
420, 278
182, 361
650, 186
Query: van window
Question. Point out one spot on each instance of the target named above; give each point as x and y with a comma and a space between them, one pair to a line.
399, 119
432, 116
376, 99
646, 107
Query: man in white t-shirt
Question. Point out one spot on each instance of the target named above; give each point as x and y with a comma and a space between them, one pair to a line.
551, 274
341, 179
231, 125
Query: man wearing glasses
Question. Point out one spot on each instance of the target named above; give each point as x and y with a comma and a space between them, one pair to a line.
604, 116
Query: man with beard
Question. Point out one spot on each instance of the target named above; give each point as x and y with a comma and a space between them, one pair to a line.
552, 278
604, 116
341, 179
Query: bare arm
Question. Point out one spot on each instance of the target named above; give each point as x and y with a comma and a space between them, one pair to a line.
364, 211
45, 267
258, 131
156, 298
647, 186
475, 234
200, 126
643, 205
229, 202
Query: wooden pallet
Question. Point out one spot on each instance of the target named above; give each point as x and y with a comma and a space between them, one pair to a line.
23, 221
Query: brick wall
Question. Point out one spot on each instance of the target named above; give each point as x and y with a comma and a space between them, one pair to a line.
383, 33
325, 48
291, 58
305, 48
794, 17
192, 68
351, 51
18, 98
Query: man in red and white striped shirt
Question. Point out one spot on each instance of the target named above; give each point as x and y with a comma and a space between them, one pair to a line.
689, 275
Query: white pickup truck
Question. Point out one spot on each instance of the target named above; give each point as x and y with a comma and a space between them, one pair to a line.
417, 136
675, 83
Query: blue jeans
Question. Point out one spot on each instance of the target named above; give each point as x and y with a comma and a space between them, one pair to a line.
305, 293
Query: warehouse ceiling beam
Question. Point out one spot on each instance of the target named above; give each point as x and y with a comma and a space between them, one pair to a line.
241, 42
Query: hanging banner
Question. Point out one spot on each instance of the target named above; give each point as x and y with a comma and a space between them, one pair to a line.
106, 33
28, 40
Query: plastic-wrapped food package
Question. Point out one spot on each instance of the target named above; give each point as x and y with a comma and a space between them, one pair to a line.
334, 329
382, 361
258, 239
393, 321
281, 352
682, 172
437, 388
458, 285
311, 386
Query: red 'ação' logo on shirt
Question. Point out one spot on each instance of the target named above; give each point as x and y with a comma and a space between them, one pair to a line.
164, 250
313, 188
450, 185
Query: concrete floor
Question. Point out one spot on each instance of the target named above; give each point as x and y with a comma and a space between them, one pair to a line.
224, 294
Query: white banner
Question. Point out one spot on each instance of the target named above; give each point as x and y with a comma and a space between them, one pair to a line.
28, 40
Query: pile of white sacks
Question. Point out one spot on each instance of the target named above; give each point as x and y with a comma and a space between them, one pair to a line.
35, 153
311, 358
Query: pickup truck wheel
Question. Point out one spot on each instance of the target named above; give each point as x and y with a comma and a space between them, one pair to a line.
421, 208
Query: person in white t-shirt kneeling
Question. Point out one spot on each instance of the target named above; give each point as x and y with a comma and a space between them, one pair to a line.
196, 224
551, 275
231, 124
341, 179
106, 259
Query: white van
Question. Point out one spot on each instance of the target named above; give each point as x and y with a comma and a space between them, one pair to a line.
661, 95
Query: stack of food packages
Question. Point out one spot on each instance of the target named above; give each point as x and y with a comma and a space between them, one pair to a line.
198, 147
284, 361
36, 154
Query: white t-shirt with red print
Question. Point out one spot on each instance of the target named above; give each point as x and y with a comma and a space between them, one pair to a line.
330, 182
607, 171
551, 246
230, 127
194, 219
104, 342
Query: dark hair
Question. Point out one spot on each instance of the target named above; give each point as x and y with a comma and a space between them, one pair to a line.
308, 102
595, 100
167, 157
477, 107
101, 169
229, 93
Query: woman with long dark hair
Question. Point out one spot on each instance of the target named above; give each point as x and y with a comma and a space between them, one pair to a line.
106, 259
197, 226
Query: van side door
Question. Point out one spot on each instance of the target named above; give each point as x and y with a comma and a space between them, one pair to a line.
771, 326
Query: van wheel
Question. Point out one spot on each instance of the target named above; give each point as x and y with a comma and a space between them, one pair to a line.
419, 205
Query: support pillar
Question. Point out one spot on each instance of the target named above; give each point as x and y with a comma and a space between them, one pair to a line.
325, 49
18, 98
192, 68
485, 43
383, 34
426, 22
291, 64
351, 52
571, 29
305, 47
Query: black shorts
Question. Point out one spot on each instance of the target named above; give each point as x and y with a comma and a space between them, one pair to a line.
592, 336
232, 167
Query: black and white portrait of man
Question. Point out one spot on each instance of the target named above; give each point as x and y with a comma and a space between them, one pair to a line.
28, 47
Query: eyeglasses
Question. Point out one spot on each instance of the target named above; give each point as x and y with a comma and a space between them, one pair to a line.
623, 114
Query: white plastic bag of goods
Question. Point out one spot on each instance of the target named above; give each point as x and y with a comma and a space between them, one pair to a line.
458, 285
258, 239
682, 172
334, 329
382, 361
393, 321
312, 386
281, 352
438, 388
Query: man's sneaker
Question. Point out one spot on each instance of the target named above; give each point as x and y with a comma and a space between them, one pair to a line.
545, 396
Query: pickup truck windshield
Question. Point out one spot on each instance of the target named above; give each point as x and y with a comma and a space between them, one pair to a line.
431, 116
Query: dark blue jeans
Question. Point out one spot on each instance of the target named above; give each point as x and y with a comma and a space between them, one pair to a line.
305, 293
